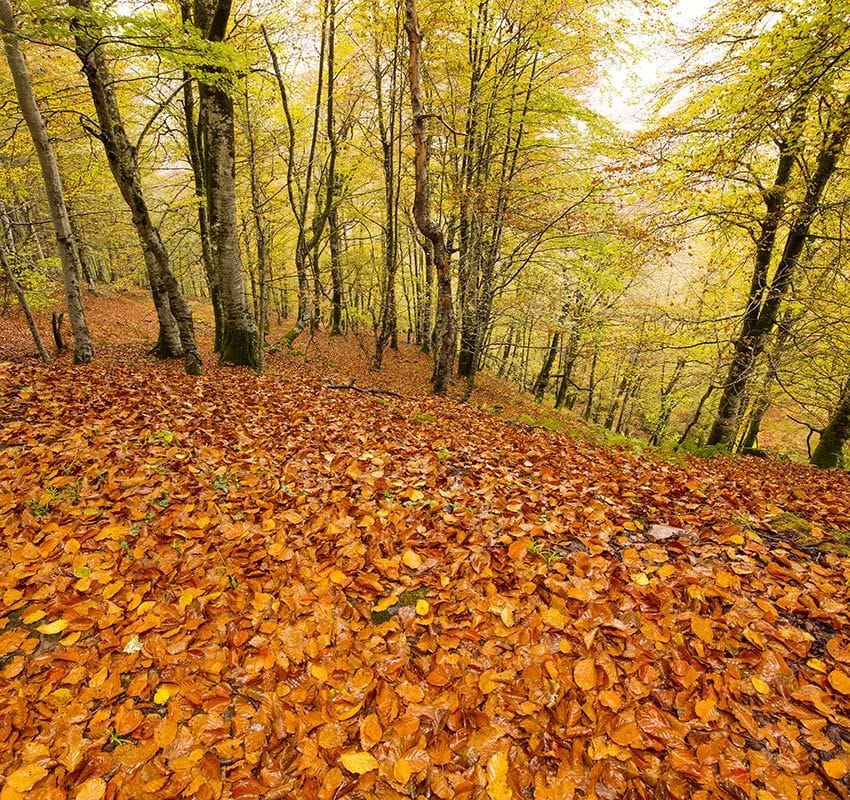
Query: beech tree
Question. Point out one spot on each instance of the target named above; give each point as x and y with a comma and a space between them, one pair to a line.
176, 328
68, 253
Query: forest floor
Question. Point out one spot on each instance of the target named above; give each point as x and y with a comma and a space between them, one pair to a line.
245, 586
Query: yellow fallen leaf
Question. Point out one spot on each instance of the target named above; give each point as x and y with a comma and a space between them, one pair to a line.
71, 638
50, 628
836, 768
24, 778
338, 577
666, 571
162, 695
384, 604
554, 618
33, 616
816, 664
584, 674
641, 579
497, 777
759, 685
702, 628
145, 607
839, 681
411, 559
359, 763
401, 771
319, 672
422, 607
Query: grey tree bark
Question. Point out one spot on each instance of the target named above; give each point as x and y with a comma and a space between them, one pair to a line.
177, 330
239, 334
446, 326
68, 255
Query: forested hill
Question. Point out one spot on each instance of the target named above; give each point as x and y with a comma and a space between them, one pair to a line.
261, 586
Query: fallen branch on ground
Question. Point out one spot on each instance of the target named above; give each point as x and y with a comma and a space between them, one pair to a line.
354, 388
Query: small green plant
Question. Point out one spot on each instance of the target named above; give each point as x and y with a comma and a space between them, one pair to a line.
115, 739
549, 554
442, 454
166, 437
39, 508
422, 419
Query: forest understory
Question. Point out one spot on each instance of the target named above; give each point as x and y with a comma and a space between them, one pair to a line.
241, 585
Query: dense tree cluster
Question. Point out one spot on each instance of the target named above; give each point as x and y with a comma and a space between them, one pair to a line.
437, 173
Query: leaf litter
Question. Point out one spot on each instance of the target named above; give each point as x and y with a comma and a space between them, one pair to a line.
241, 586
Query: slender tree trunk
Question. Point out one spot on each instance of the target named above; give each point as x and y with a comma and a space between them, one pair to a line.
830, 448
541, 383
427, 330
239, 335
172, 309
591, 383
194, 143
68, 255
260, 234
387, 319
22, 302
446, 329
667, 404
335, 246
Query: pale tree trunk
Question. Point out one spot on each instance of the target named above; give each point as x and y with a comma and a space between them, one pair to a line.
260, 234
308, 234
238, 335
83, 350
446, 327
173, 311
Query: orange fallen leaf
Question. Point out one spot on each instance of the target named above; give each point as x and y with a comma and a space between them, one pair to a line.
836, 768
584, 674
702, 628
92, 789
840, 681
24, 778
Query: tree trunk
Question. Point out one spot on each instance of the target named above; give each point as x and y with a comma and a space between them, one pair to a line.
194, 143
239, 335
25, 306
335, 245
446, 328
541, 383
763, 307
83, 350
173, 311
829, 451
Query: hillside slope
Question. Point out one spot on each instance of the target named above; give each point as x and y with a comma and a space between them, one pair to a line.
258, 586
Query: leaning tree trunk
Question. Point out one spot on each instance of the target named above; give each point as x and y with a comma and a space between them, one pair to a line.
764, 303
173, 311
828, 453
22, 302
238, 335
71, 270
446, 328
